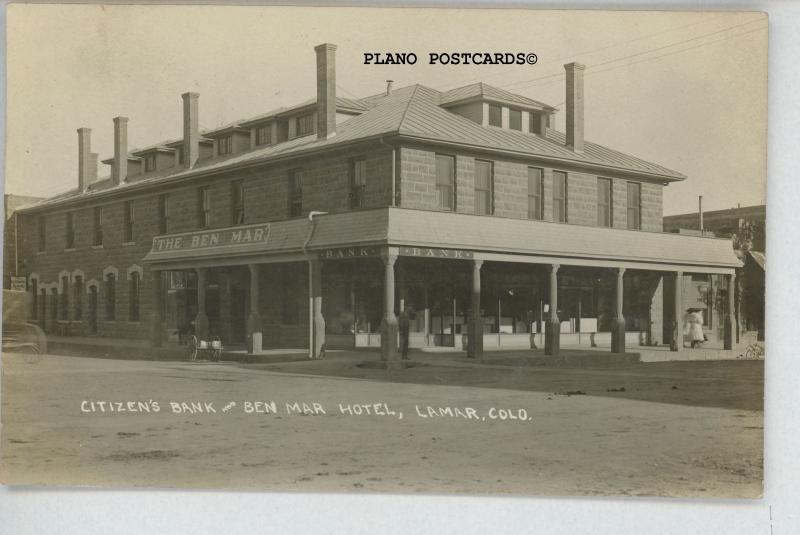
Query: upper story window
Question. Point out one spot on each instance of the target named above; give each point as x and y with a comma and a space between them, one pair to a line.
358, 183
535, 193
515, 119
535, 122
604, 202
70, 230
163, 214
97, 217
204, 207
237, 202
264, 135
129, 221
634, 206
42, 226
149, 163
304, 124
225, 145
295, 192
495, 115
445, 182
484, 186
559, 196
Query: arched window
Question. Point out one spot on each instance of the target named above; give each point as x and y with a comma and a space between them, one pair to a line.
35, 294
54, 303
111, 296
64, 298
133, 296
78, 297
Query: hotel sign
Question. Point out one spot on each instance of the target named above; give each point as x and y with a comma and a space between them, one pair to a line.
249, 235
426, 252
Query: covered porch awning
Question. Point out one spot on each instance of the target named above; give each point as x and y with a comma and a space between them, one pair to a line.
422, 233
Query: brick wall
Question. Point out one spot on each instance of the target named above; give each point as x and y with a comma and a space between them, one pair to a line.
418, 190
326, 188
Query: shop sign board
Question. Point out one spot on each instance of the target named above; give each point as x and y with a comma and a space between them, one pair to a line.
427, 252
244, 235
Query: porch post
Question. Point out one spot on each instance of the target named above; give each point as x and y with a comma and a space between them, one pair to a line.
254, 325
201, 321
552, 339
730, 313
677, 328
618, 329
475, 328
389, 324
155, 312
317, 319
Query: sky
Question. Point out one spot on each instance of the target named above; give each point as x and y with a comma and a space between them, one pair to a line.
687, 90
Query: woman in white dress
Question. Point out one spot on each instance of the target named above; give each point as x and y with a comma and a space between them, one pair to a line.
694, 327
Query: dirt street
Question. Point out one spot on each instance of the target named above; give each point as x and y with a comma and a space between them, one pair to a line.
434, 429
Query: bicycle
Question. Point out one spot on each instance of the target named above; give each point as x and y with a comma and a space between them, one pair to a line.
753, 352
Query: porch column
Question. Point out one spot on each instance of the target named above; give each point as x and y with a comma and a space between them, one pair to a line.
677, 328
552, 339
401, 288
254, 325
475, 328
317, 349
389, 324
730, 313
618, 329
201, 321
155, 311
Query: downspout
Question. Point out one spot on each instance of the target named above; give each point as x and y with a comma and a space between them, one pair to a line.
394, 171
311, 228
16, 244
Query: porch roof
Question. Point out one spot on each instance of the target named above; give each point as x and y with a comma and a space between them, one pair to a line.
514, 238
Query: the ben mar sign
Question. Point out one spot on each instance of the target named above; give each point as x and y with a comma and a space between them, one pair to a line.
253, 234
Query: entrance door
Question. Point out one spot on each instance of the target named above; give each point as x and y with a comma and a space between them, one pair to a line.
93, 310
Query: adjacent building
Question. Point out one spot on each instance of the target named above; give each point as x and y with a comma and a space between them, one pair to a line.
316, 225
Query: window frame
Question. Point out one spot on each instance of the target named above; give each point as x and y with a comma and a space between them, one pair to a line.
559, 200
129, 216
490, 115
97, 223
637, 222
69, 229
149, 163
264, 135
307, 122
225, 145
539, 197
512, 112
358, 187
609, 205
163, 213
134, 297
295, 192
451, 187
204, 207
63, 302
489, 190
77, 288
237, 202
111, 296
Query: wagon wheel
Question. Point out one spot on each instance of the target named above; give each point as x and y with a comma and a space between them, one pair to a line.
216, 352
191, 347
31, 354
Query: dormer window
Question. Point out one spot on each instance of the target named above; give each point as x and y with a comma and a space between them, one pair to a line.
304, 124
149, 163
515, 119
264, 135
495, 115
225, 145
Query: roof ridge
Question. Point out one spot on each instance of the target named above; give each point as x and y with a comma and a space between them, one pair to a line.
408, 105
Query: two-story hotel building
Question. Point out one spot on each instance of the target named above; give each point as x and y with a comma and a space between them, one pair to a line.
315, 225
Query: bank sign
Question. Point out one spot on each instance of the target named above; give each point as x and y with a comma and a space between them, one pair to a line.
249, 235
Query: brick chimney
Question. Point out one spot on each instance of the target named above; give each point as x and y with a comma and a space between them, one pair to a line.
85, 159
326, 90
119, 169
191, 129
575, 106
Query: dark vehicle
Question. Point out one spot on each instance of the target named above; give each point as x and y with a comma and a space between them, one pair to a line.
19, 335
